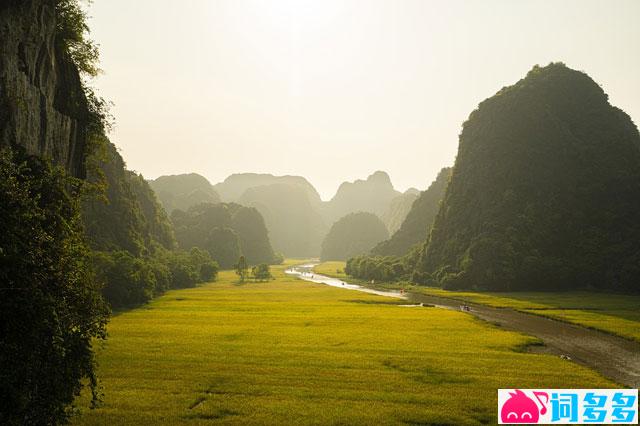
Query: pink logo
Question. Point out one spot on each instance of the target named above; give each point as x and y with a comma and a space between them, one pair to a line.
519, 408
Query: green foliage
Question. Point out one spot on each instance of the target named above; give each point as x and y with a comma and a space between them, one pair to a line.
208, 268
225, 231
544, 193
242, 268
130, 281
253, 235
224, 246
123, 212
50, 308
354, 234
261, 272
113, 217
379, 268
417, 225
157, 226
72, 31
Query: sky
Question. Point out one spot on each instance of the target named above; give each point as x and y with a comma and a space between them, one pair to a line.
334, 90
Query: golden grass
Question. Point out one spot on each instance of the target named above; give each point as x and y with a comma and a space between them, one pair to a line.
613, 313
293, 352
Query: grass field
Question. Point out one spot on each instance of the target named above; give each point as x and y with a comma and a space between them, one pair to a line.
293, 352
613, 313
332, 269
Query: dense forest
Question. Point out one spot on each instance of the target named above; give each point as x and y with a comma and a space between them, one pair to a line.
226, 231
354, 234
543, 196
544, 193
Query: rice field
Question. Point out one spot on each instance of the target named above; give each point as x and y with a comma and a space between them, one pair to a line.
292, 352
617, 314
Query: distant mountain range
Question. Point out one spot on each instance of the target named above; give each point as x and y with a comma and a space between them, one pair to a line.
296, 217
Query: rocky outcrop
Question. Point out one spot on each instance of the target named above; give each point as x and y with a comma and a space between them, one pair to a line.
42, 105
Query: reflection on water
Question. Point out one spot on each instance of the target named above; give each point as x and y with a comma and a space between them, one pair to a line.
306, 273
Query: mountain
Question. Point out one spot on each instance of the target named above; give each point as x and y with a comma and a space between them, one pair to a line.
398, 209
127, 216
295, 225
234, 187
226, 231
544, 194
354, 234
43, 105
183, 191
372, 195
416, 226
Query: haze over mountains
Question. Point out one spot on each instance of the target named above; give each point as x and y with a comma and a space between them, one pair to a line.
297, 219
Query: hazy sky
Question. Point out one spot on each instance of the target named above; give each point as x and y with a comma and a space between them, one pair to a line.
331, 89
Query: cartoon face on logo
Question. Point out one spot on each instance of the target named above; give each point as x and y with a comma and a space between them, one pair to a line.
519, 408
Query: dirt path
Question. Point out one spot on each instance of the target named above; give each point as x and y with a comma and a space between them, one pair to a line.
614, 357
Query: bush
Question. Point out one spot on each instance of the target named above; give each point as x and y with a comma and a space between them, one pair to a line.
130, 281
50, 307
261, 272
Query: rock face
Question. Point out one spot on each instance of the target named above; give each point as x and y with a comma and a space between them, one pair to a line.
397, 211
372, 195
234, 187
183, 191
545, 192
417, 224
42, 104
295, 227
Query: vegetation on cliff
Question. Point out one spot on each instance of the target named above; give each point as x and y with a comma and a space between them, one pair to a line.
417, 224
354, 234
226, 231
50, 304
544, 193
179, 192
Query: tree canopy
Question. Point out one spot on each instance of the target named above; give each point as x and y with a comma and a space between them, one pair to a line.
226, 231
50, 305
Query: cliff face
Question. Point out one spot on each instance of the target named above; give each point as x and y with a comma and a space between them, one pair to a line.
544, 194
42, 105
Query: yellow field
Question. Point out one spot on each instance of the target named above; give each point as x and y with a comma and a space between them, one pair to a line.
613, 313
292, 352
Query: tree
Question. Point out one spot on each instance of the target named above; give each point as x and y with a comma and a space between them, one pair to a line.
50, 306
224, 246
242, 268
261, 272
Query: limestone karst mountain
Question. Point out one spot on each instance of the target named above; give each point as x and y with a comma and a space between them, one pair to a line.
183, 191
354, 234
417, 224
544, 193
372, 195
